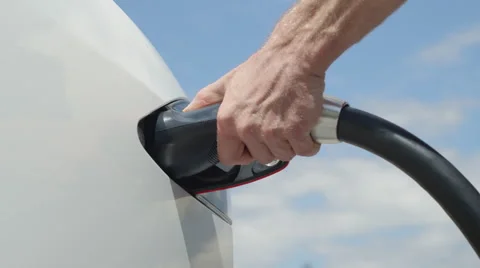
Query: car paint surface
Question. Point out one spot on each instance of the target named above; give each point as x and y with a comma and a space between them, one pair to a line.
77, 188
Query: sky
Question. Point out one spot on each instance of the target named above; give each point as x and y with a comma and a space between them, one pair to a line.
344, 207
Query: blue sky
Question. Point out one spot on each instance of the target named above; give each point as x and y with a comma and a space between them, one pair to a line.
421, 69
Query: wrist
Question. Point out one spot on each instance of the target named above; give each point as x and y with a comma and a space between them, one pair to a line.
316, 51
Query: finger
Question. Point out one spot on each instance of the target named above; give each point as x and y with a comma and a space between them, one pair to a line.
280, 148
250, 135
231, 149
305, 146
259, 150
209, 95
246, 157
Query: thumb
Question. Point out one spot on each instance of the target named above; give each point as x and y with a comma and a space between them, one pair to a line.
209, 95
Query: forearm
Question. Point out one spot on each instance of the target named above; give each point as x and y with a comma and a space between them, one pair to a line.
319, 31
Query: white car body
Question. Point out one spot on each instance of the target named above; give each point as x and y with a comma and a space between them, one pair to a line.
78, 189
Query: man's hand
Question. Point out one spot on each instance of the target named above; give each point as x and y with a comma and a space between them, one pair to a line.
270, 103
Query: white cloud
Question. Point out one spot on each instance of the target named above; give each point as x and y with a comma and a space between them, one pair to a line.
423, 118
362, 198
451, 48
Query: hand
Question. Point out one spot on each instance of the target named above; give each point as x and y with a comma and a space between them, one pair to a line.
269, 105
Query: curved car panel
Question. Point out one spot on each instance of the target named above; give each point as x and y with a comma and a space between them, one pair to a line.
78, 189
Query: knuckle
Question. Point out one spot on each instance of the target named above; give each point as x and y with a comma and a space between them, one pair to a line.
225, 118
268, 133
246, 130
272, 133
227, 125
298, 131
308, 148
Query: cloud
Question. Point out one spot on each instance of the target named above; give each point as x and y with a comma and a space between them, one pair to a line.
362, 198
452, 47
423, 118
353, 211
